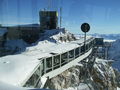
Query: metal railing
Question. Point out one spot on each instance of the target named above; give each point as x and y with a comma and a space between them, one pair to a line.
51, 63
89, 44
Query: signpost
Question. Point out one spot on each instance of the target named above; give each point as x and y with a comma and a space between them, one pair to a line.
85, 27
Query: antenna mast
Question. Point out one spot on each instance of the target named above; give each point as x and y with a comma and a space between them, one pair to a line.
49, 4
61, 12
60, 17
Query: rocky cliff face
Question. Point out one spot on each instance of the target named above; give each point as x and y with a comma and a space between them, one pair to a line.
101, 77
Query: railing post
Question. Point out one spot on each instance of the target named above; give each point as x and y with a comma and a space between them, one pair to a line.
45, 65
52, 63
60, 60
79, 51
68, 55
74, 53
40, 73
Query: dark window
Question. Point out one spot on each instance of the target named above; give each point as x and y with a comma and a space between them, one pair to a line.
82, 49
56, 60
49, 62
90, 45
77, 52
71, 54
87, 47
64, 57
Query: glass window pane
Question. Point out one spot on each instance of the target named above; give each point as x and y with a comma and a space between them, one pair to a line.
56, 60
64, 57
42, 67
86, 47
49, 62
76, 52
71, 54
82, 49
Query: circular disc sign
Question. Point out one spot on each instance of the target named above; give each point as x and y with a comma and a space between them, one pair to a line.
85, 27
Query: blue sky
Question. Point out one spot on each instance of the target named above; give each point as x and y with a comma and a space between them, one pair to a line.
102, 15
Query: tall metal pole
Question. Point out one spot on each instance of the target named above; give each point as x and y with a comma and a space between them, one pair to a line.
60, 17
85, 41
1, 12
85, 27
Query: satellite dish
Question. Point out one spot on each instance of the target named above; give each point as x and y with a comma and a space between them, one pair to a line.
85, 27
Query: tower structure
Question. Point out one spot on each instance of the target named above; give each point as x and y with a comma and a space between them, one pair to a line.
48, 20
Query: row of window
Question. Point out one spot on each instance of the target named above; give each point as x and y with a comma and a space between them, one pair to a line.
55, 62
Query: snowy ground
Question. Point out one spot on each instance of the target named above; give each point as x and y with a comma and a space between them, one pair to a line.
16, 69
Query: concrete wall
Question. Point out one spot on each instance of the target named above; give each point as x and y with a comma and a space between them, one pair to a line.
28, 34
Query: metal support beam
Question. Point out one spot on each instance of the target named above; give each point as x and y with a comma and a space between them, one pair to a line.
52, 63
45, 65
60, 60
85, 42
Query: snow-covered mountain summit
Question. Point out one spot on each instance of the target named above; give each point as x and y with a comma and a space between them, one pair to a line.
59, 36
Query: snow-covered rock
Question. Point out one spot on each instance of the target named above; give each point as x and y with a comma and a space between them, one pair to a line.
58, 36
